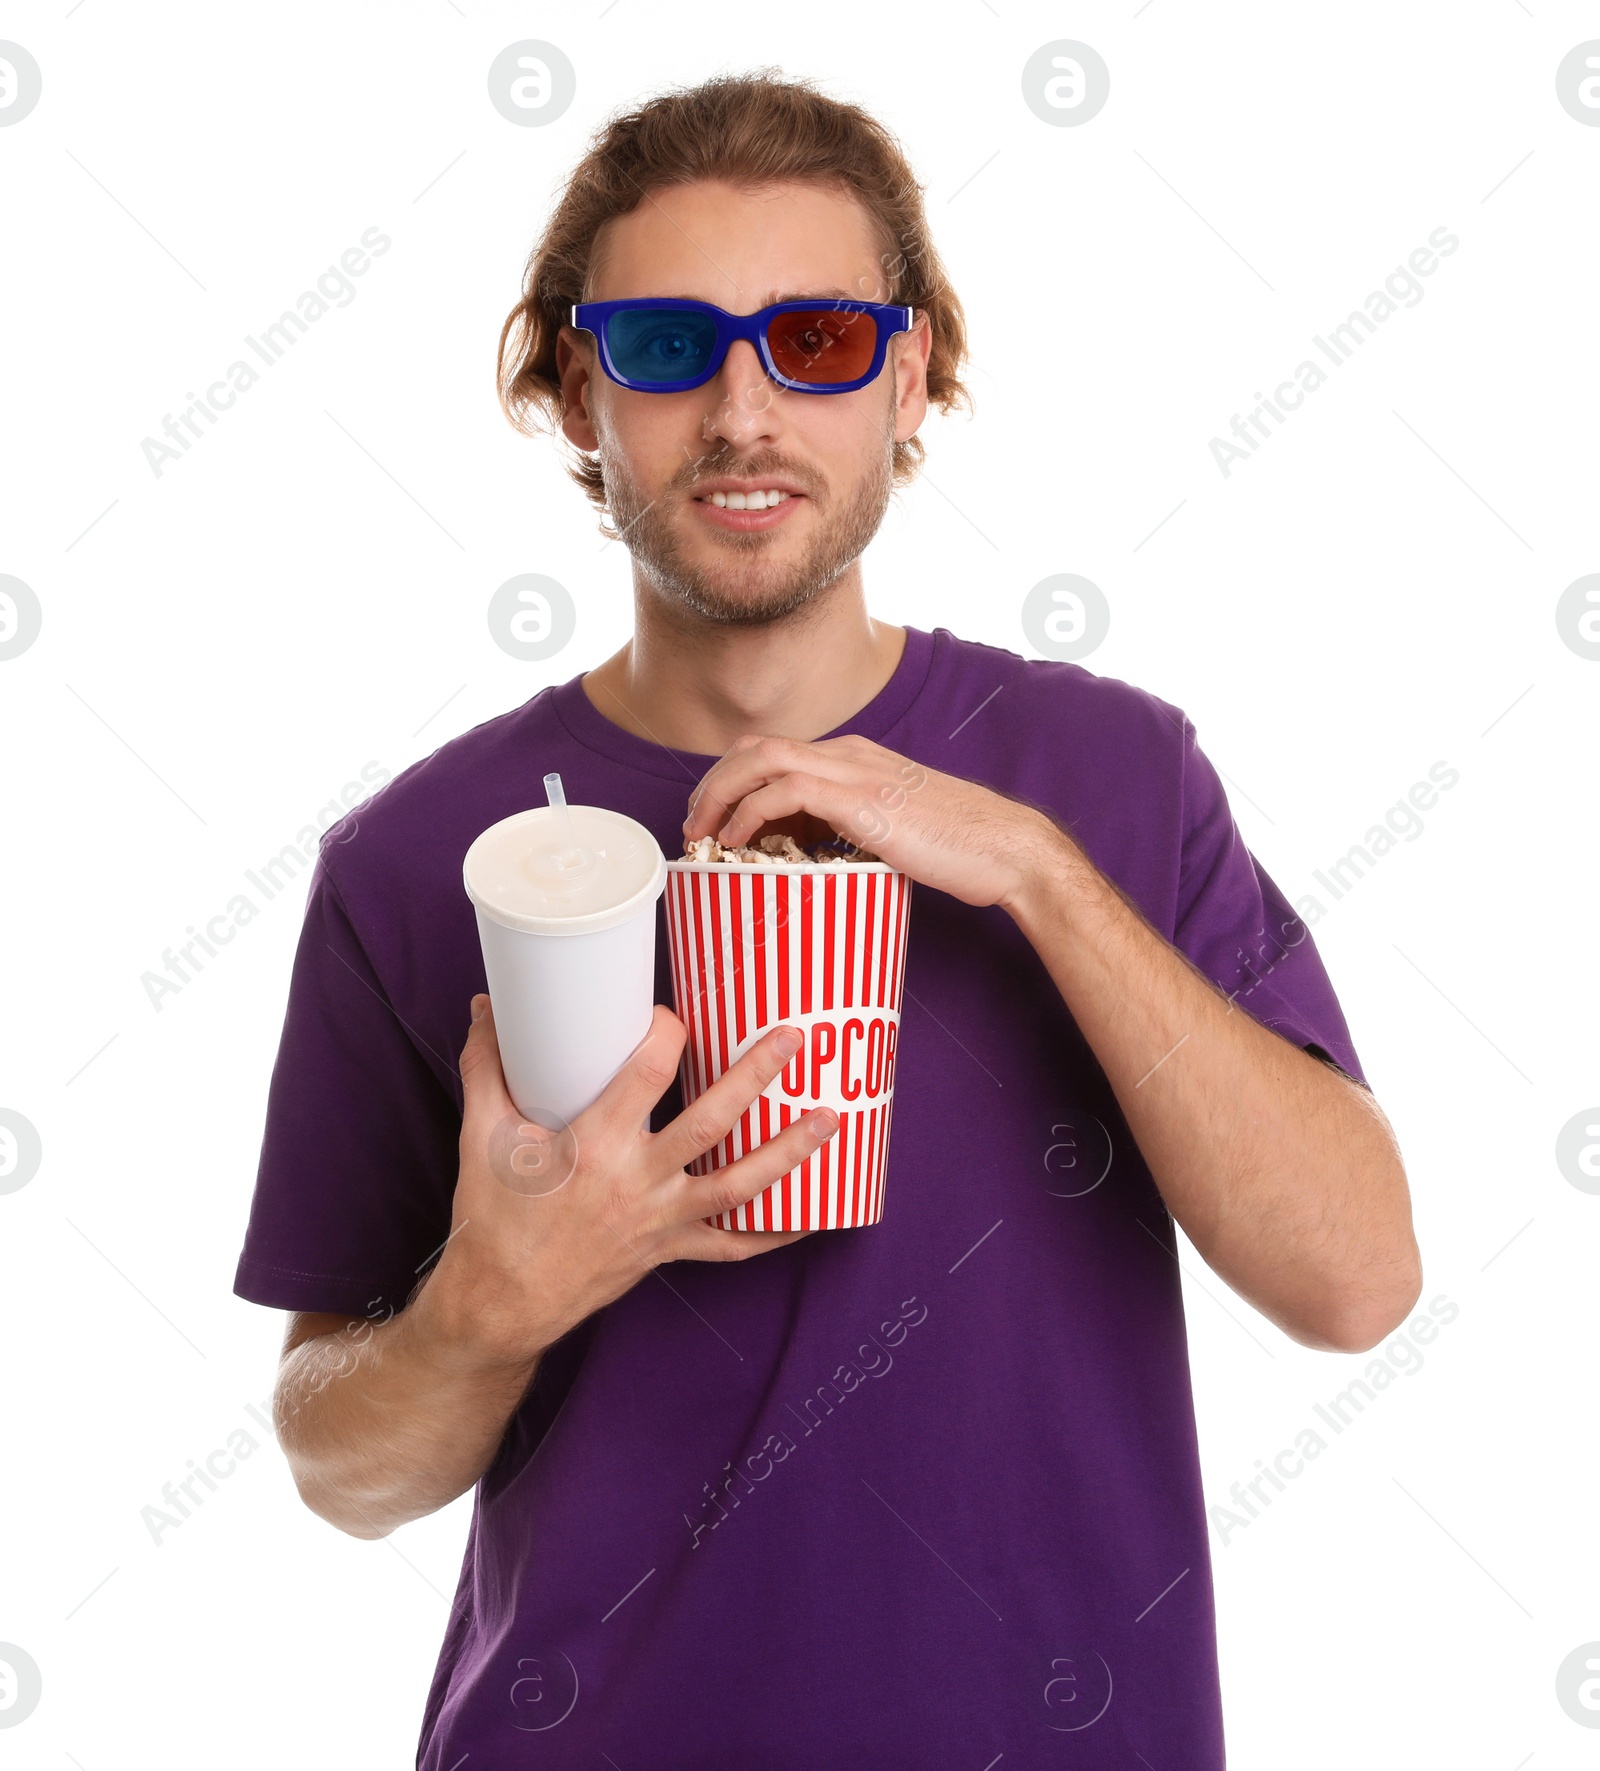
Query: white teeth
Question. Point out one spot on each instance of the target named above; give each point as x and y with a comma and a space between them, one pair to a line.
746, 500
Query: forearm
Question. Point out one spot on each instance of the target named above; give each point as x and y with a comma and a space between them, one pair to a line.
1283, 1173
384, 1425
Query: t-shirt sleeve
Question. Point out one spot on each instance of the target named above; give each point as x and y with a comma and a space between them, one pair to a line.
359, 1155
1240, 930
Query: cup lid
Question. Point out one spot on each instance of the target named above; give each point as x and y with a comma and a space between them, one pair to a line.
526, 874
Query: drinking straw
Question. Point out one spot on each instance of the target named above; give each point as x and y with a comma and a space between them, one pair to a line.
568, 853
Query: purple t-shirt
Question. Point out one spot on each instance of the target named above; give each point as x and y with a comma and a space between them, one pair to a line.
919, 1494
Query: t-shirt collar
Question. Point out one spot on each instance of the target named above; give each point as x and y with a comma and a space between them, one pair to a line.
881, 714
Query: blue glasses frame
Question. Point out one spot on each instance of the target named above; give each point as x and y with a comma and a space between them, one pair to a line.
597, 317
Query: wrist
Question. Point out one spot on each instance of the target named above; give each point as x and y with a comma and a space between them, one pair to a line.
1049, 864
477, 1323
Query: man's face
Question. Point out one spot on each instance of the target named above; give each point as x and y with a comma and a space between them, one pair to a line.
743, 249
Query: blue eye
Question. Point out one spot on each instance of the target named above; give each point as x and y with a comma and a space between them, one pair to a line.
663, 344
670, 346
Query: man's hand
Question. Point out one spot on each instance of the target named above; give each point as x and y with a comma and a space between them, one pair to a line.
549, 1227
383, 1425
944, 832
1283, 1172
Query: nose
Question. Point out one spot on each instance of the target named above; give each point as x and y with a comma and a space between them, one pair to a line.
744, 409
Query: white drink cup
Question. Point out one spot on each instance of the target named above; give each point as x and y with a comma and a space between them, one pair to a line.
566, 905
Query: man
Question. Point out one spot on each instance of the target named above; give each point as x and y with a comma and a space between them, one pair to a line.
923, 1493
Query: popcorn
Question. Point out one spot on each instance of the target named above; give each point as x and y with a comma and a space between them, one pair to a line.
775, 851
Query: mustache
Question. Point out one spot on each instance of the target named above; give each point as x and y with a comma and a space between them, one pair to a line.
744, 470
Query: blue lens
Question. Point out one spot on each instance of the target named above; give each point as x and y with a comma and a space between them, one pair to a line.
661, 343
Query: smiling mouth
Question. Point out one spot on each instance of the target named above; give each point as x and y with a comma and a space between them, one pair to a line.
758, 500
755, 512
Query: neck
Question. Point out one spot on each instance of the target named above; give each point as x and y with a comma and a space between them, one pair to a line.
699, 686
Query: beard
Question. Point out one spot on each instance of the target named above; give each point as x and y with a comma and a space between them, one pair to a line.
743, 586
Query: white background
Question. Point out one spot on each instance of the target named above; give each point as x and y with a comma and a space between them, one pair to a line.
226, 645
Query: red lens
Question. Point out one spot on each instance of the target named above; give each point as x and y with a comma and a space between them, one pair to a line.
822, 346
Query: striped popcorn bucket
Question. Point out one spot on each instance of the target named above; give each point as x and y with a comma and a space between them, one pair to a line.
818, 947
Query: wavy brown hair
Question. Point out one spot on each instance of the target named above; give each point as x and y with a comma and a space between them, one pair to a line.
753, 129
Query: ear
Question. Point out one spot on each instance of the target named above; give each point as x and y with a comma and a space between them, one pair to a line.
575, 370
909, 352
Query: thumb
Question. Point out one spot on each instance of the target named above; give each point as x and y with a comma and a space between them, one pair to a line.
485, 1099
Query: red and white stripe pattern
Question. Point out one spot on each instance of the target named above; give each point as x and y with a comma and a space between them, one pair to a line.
818, 947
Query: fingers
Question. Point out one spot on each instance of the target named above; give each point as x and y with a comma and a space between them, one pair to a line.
782, 798
752, 763
725, 1189
708, 1119
706, 1242
706, 808
483, 1082
649, 1072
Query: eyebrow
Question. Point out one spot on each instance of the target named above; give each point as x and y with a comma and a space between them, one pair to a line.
811, 295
